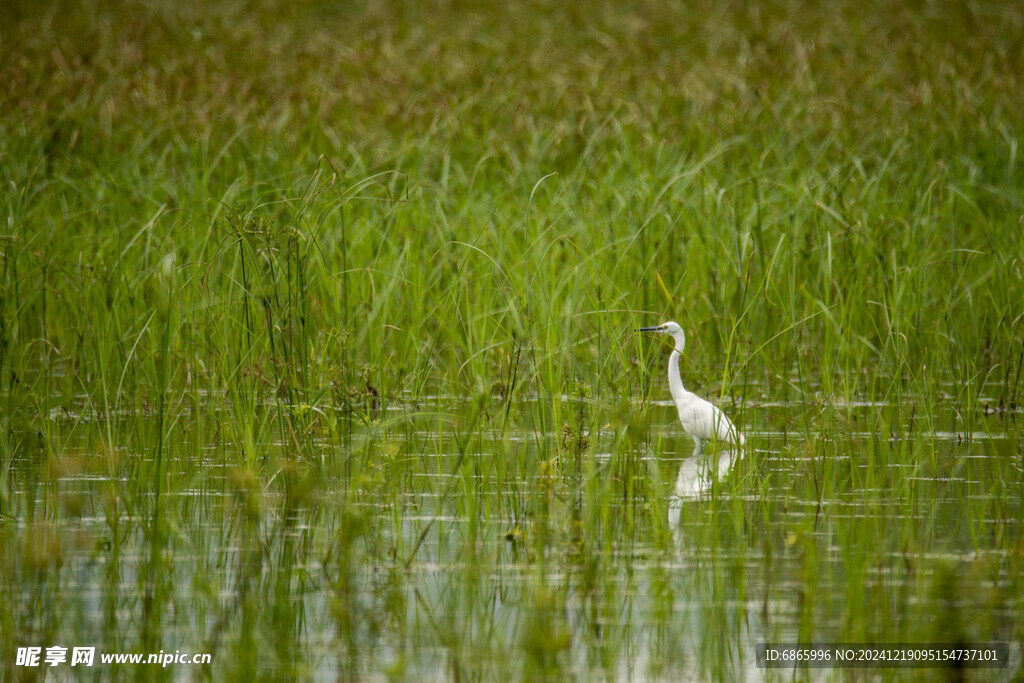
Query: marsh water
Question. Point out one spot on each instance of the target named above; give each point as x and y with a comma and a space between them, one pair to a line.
418, 543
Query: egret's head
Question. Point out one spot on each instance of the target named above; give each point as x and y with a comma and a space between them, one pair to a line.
670, 328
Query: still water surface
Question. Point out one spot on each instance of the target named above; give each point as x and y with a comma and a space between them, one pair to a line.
403, 548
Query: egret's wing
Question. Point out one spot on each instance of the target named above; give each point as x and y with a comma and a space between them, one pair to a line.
724, 426
705, 421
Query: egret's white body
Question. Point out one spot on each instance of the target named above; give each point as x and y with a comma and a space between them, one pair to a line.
701, 419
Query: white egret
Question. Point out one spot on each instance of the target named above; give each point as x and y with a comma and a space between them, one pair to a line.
701, 420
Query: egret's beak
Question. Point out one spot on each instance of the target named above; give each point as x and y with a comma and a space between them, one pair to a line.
658, 328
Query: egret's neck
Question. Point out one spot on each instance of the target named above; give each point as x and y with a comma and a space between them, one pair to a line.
675, 382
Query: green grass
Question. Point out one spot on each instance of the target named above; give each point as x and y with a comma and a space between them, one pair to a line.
316, 344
